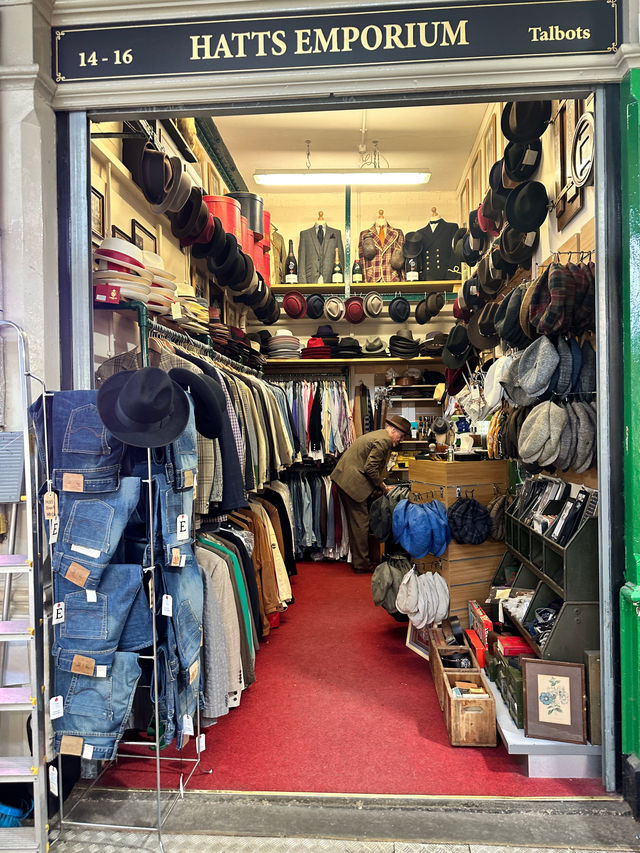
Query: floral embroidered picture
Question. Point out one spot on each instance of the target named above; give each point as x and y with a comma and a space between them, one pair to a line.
554, 705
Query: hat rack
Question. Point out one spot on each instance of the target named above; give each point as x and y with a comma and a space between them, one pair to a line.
581, 255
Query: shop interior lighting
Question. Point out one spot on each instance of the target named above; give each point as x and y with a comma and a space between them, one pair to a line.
378, 175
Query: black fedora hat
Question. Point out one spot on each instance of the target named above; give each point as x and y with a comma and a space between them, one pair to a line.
215, 244
527, 206
499, 263
412, 244
495, 179
457, 349
522, 121
517, 247
143, 408
399, 309
521, 159
315, 306
208, 397
192, 216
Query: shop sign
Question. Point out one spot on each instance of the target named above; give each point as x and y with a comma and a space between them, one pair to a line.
335, 39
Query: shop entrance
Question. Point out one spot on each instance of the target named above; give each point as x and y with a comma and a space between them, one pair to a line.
333, 614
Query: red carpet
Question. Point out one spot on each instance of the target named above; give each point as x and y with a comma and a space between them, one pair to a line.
341, 705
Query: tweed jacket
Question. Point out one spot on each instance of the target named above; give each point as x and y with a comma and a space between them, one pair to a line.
379, 267
362, 466
316, 259
437, 250
278, 254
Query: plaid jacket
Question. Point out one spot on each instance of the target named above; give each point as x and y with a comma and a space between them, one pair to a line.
379, 267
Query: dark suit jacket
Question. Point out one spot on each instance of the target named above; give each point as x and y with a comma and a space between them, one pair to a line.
437, 250
362, 466
316, 259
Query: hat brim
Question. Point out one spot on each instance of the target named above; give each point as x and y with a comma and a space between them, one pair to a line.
208, 400
152, 436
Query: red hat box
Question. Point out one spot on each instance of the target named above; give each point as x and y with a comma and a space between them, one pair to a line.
227, 210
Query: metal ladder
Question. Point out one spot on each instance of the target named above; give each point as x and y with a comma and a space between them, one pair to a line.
29, 768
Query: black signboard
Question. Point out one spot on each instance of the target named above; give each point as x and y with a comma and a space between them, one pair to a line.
331, 39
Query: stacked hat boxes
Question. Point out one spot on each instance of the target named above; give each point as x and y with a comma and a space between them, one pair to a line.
467, 569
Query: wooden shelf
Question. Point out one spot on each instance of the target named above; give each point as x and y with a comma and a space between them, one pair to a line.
445, 286
276, 362
412, 400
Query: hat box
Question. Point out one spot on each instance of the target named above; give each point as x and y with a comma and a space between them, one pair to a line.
228, 211
251, 206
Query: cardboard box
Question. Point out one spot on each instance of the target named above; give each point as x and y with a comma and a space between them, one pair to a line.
480, 622
476, 644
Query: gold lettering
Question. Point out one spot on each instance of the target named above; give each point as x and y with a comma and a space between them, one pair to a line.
223, 46
393, 36
364, 38
199, 43
534, 33
240, 38
303, 39
279, 43
262, 34
423, 34
351, 34
410, 37
460, 33
323, 42
586, 33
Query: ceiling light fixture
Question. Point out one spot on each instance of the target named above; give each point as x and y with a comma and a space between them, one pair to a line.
376, 176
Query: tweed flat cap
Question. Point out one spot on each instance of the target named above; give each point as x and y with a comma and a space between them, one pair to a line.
587, 378
539, 437
536, 366
584, 307
586, 437
566, 449
576, 364
564, 373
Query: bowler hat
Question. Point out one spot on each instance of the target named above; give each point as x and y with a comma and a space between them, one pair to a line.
399, 423
457, 349
334, 308
208, 397
412, 244
522, 121
354, 309
143, 408
315, 306
527, 206
399, 309
372, 304
294, 304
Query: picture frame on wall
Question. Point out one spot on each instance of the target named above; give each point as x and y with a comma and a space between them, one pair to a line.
489, 146
142, 237
465, 205
418, 640
97, 215
120, 234
476, 181
554, 696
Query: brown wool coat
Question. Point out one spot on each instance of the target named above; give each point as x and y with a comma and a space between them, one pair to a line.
362, 466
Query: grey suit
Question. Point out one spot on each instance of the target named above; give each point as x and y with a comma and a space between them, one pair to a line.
316, 259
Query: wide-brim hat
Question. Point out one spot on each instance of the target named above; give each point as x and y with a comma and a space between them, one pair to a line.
189, 221
143, 408
522, 121
412, 244
214, 245
518, 247
522, 159
476, 337
399, 309
471, 293
457, 348
399, 423
334, 308
153, 173
208, 397
354, 309
373, 305
434, 343
527, 206
294, 304
315, 306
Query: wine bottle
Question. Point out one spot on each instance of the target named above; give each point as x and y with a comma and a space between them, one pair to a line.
337, 276
411, 271
291, 267
356, 272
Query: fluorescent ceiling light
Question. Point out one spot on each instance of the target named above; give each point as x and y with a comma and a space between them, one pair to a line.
340, 177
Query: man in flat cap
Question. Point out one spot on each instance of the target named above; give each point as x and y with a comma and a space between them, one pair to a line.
359, 472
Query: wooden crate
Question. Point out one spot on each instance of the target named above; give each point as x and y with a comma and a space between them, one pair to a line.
470, 719
438, 671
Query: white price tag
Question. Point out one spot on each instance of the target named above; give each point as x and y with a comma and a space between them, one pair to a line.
87, 751
187, 724
201, 743
58, 612
183, 561
176, 311
92, 596
167, 605
53, 780
54, 529
530, 157
86, 552
101, 671
182, 527
530, 239
56, 707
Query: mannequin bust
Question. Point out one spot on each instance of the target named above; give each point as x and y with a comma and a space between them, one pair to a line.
380, 251
316, 251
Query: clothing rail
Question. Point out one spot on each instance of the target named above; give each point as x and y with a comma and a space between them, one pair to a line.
314, 377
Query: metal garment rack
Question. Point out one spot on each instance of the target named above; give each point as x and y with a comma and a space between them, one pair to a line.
27, 769
148, 328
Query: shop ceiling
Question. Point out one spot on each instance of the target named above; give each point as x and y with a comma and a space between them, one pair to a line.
439, 138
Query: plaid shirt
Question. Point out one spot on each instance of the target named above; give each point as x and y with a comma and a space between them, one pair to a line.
379, 267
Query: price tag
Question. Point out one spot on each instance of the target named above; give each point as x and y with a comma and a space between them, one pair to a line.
87, 552
53, 780
530, 157
56, 707
54, 529
187, 724
182, 526
58, 613
167, 605
194, 669
201, 743
92, 596
176, 311
50, 504
530, 239
101, 671
87, 751
183, 560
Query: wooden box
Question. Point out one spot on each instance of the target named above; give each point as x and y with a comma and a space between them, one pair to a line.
470, 719
439, 672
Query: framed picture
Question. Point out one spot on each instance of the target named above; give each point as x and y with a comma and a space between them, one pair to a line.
489, 146
143, 238
465, 204
97, 215
418, 640
118, 232
476, 180
555, 706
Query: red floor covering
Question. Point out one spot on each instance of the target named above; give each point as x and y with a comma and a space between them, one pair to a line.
340, 705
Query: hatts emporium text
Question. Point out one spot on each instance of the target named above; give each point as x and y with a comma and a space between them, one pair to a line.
334, 40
